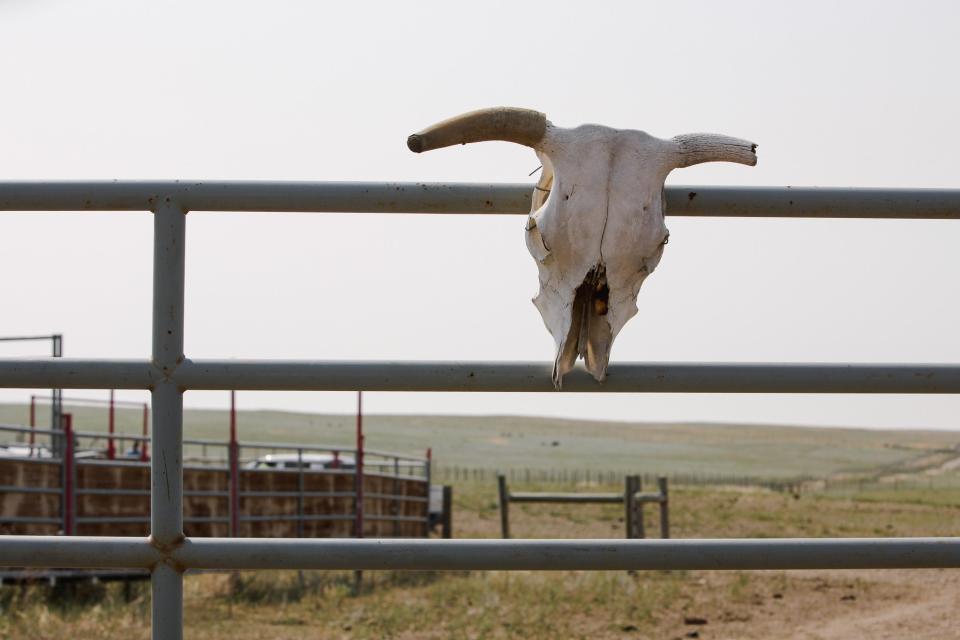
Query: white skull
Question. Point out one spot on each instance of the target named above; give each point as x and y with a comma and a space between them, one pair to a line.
596, 225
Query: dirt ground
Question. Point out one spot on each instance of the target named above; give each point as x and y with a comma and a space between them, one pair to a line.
824, 606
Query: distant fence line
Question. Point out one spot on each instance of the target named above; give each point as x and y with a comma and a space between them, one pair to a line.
795, 485
867, 484
455, 473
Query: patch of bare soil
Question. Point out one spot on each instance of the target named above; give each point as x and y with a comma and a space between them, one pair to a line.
822, 606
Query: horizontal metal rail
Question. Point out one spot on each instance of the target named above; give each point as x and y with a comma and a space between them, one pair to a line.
653, 377
34, 459
76, 373
380, 453
105, 434
392, 496
599, 498
146, 519
386, 518
188, 493
655, 498
94, 402
246, 444
113, 492
15, 428
29, 520
17, 488
533, 555
464, 198
294, 494
549, 555
285, 517
77, 552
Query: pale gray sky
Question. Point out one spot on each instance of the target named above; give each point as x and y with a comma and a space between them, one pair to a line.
849, 94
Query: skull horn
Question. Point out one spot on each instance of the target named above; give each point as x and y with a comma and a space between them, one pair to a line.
523, 126
695, 148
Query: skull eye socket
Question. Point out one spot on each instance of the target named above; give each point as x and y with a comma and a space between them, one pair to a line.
535, 243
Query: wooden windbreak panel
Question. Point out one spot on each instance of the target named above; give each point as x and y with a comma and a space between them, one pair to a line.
106, 476
272, 509
206, 480
29, 473
96, 475
377, 485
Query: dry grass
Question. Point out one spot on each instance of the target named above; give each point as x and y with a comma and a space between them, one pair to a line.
537, 605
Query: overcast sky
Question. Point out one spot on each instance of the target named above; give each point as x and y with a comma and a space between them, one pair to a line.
836, 94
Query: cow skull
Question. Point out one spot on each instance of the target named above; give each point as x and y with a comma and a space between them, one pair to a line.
596, 227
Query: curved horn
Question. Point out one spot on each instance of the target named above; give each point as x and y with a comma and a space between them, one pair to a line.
523, 126
695, 148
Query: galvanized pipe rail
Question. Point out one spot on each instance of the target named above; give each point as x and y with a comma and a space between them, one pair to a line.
477, 555
168, 373
462, 198
521, 377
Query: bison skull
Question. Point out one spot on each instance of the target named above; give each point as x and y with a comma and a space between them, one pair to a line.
596, 225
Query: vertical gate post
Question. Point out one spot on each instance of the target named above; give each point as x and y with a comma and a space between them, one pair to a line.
144, 444
56, 400
664, 508
396, 508
33, 422
166, 466
233, 457
358, 487
358, 472
504, 506
69, 476
300, 489
111, 425
629, 506
429, 478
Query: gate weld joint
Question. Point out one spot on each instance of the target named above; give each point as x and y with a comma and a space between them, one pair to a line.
167, 372
157, 202
166, 551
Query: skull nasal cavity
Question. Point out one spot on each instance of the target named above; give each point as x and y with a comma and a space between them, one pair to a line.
595, 289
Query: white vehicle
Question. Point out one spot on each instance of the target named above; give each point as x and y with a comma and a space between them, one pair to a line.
307, 461
24, 451
40, 451
435, 505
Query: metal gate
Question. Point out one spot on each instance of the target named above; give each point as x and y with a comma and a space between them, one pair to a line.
168, 373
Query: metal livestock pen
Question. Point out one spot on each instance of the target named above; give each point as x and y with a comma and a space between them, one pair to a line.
168, 373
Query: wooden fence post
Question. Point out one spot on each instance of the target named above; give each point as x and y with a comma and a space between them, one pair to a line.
629, 506
447, 522
664, 507
638, 519
504, 506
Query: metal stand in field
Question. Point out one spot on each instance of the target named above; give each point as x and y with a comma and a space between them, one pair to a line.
56, 395
632, 500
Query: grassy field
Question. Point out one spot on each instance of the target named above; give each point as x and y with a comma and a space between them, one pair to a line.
504, 442
541, 605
